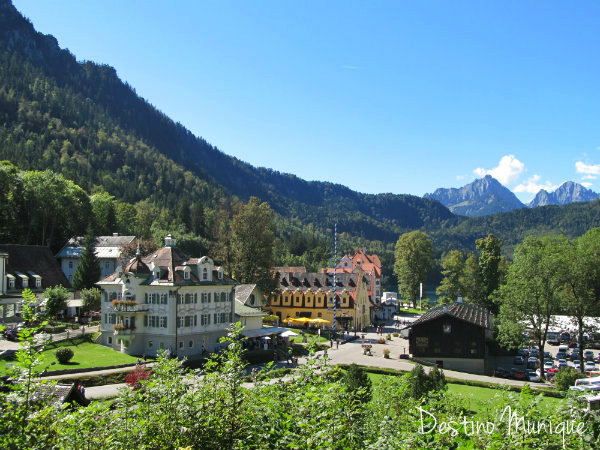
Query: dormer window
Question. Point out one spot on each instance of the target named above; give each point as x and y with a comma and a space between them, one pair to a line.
38, 283
205, 274
186, 274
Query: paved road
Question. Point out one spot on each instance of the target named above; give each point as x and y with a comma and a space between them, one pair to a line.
14, 345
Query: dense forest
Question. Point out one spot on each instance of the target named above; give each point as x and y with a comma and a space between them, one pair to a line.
82, 123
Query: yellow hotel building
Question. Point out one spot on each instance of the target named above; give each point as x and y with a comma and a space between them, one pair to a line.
306, 294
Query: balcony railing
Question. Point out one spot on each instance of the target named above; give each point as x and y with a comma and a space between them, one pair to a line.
123, 330
129, 306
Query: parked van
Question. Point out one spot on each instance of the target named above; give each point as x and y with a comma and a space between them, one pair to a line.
553, 337
563, 349
586, 384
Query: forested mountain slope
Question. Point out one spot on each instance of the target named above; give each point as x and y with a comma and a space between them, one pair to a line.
80, 120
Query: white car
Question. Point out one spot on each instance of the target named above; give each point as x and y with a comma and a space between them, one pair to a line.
533, 376
589, 365
576, 364
562, 363
548, 365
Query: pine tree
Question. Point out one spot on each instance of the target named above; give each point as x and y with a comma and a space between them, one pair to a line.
88, 270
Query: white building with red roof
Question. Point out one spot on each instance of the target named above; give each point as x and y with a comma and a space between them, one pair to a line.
166, 301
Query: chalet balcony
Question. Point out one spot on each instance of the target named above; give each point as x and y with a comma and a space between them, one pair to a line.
123, 330
129, 306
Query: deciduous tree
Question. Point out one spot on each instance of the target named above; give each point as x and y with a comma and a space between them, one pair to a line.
414, 261
253, 235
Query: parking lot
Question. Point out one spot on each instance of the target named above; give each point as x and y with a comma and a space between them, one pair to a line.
522, 363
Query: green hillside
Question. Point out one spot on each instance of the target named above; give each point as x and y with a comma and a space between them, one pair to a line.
79, 120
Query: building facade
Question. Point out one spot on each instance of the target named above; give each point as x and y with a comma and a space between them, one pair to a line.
307, 294
108, 252
453, 336
166, 301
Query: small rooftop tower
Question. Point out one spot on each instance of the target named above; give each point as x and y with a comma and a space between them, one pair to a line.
169, 241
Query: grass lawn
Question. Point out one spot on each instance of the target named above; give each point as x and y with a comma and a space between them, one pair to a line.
310, 333
476, 398
411, 310
86, 355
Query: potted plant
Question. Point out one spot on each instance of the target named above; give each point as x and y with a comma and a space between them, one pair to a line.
386, 353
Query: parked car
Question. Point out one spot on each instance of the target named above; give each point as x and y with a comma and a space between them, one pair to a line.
562, 363
589, 365
501, 373
565, 337
549, 365
561, 355
517, 374
577, 364
534, 352
11, 334
575, 356
518, 360
523, 352
532, 362
588, 355
532, 376
550, 373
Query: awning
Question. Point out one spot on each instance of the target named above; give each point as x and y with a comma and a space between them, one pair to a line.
263, 332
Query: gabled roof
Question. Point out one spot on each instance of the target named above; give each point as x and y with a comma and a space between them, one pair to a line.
106, 246
36, 259
462, 311
288, 269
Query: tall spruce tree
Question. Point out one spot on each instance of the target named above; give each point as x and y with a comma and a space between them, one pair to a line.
88, 270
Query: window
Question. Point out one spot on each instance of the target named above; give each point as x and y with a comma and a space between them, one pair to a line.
205, 274
190, 344
149, 344
163, 322
110, 339
186, 275
38, 282
205, 319
70, 264
252, 299
106, 265
223, 297
188, 298
11, 283
181, 344
163, 298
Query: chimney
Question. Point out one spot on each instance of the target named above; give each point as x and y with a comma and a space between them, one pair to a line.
169, 241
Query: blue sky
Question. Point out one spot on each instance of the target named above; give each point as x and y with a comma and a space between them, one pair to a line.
381, 96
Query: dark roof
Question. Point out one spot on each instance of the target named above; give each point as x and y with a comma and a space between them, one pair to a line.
35, 259
462, 311
137, 266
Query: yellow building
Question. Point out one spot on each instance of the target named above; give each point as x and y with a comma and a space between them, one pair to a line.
307, 294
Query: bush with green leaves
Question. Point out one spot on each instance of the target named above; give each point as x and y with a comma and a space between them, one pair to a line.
358, 383
64, 355
565, 378
419, 383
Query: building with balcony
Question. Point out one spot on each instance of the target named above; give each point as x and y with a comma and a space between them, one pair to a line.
166, 301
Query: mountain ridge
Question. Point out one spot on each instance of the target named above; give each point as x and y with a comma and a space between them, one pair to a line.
567, 192
479, 198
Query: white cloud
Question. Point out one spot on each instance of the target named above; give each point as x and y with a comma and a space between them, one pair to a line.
589, 177
532, 186
507, 172
587, 185
460, 177
581, 167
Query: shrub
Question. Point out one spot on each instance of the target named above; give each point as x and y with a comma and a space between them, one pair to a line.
566, 377
358, 383
419, 383
386, 353
395, 334
133, 379
389, 337
64, 355
381, 340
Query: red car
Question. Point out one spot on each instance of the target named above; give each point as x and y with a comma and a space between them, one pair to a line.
518, 374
